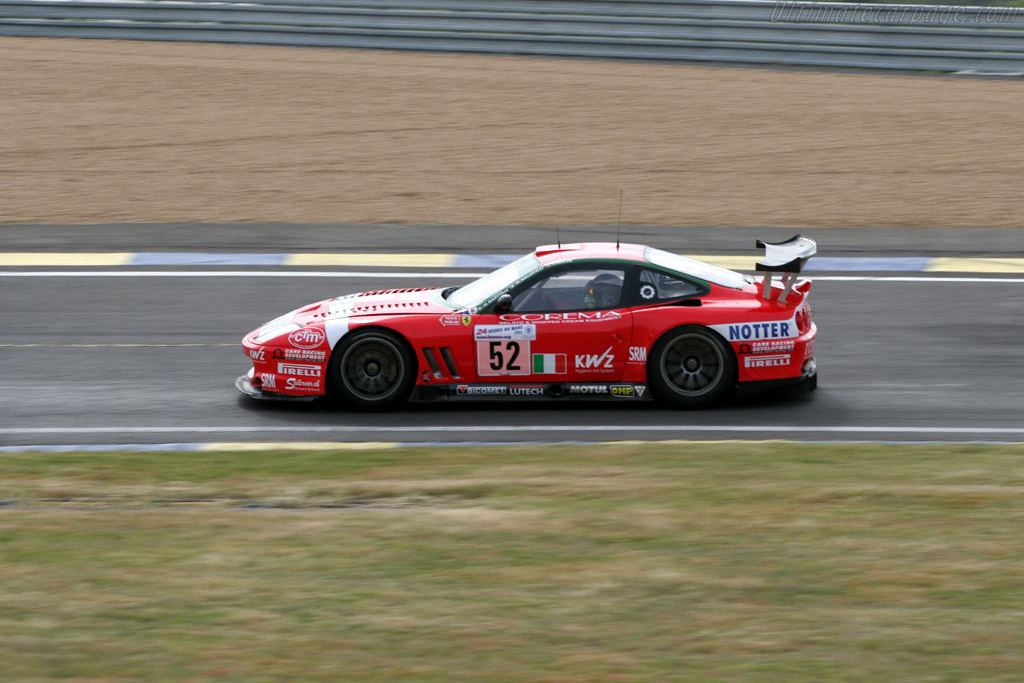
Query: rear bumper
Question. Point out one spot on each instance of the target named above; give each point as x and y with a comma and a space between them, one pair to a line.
808, 380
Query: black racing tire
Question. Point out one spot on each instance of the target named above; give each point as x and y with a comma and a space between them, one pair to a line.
372, 369
691, 367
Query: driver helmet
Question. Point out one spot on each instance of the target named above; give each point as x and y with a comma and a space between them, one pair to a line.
603, 291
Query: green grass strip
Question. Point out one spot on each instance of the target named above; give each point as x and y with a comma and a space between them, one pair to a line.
634, 562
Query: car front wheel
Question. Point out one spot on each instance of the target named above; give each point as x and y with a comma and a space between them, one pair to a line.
372, 370
691, 367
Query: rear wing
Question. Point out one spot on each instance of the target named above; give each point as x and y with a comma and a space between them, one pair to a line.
787, 258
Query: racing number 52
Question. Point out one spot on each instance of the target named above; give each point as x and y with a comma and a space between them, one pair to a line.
505, 357
498, 356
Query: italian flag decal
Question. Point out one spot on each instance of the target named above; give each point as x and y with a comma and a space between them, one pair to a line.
549, 363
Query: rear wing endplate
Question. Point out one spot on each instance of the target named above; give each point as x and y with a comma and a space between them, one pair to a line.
787, 258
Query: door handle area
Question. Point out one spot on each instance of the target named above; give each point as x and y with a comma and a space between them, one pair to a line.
616, 337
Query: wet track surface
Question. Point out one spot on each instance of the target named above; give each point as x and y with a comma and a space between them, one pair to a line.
109, 360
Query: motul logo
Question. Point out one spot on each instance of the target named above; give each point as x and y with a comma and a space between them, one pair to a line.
588, 388
590, 361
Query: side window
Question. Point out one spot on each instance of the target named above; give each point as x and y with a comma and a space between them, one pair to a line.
572, 290
654, 286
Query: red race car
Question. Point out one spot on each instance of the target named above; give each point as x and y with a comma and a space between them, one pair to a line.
594, 321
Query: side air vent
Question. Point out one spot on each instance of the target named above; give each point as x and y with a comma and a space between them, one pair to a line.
428, 353
449, 361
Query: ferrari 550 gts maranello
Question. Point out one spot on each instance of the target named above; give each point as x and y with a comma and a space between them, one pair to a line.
598, 321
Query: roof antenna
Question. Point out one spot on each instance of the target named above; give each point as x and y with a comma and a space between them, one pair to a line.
559, 236
618, 230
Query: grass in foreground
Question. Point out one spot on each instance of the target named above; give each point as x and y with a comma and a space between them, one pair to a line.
622, 562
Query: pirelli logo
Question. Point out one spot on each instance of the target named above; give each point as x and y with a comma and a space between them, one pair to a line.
767, 361
299, 369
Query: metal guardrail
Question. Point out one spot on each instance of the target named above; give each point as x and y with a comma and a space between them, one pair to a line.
928, 37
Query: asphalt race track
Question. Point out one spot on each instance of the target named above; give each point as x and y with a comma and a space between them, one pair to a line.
118, 359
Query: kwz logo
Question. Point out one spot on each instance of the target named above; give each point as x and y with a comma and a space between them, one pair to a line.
590, 361
256, 354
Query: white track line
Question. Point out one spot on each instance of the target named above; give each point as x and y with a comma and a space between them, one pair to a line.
774, 429
427, 274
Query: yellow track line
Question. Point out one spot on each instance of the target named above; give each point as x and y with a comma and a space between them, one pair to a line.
29, 258
976, 265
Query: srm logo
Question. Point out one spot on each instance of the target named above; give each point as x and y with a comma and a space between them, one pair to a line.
595, 362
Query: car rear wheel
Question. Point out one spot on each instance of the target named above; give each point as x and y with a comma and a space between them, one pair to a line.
691, 367
372, 370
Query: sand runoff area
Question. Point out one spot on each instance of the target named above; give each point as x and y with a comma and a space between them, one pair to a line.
109, 131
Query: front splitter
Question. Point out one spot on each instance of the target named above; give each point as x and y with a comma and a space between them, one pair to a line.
246, 387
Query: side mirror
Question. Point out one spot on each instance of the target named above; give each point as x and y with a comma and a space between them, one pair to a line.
503, 304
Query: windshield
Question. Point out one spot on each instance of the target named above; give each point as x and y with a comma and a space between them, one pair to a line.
698, 269
493, 284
